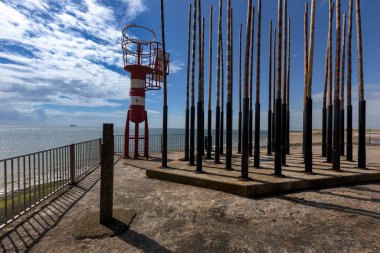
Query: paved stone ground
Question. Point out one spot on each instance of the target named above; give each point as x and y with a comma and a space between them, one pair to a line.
181, 218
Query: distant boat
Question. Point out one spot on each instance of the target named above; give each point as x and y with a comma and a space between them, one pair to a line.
73, 125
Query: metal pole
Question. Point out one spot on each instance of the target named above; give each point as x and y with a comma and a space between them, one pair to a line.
288, 96
251, 83
349, 83
342, 87
278, 156
329, 143
217, 109
187, 121
229, 90
244, 157
165, 109
192, 110
209, 138
257, 105
203, 86
199, 103
309, 102
305, 71
336, 151
324, 109
222, 103
240, 112
274, 92
283, 111
269, 139
362, 102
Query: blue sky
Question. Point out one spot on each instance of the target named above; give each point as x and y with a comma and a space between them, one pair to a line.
61, 62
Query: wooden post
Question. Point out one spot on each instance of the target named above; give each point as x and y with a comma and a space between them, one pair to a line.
269, 139
106, 174
229, 90
288, 96
199, 103
284, 80
324, 110
274, 92
251, 53
342, 87
305, 71
240, 112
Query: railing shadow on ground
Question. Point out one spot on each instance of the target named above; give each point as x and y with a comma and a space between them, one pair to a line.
32, 228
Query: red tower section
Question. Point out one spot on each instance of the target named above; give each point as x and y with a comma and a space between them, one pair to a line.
144, 61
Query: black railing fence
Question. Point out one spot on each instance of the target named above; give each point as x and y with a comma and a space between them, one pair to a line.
28, 179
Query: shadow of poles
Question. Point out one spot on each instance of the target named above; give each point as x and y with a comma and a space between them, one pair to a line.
23, 236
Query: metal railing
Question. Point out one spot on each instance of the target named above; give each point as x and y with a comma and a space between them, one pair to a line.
176, 142
28, 179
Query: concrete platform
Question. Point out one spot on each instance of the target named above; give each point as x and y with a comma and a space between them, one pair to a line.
263, 181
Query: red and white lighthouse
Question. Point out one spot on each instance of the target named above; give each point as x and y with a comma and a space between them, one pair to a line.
144, 61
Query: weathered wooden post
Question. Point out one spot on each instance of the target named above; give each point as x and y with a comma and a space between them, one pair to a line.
349, 84
187, 121
309, 102
229, 89
106, 174
199, 103
269, 139
329, 142
336, 151
165, 106
362, 102
342, 73
217, 109
203, 86
209, 118
245, 154
222, 103
257, 105
251, 53
284, 80
192, 109
240, 112
288, 96
278, 156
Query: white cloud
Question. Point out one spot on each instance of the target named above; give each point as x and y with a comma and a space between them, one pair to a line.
135, 7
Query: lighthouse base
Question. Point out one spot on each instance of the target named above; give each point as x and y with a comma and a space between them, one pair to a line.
136, 137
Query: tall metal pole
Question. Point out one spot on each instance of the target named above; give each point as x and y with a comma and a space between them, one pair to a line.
257, 105
203, 85
329, 142
324, 109
245, 154
342, 87
336, 151
309, 102
240, 112
274, 91
209, 119
269, 142
165, 107
192, 110
217, 109
288, 96
305, 71
199, 103
187, 121
229, 89
362, 102
251, 53
284, 79
278, 156
349, 83
222, 104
